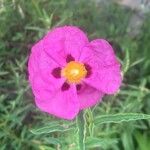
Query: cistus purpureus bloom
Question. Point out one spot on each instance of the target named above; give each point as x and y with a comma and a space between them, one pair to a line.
68, 73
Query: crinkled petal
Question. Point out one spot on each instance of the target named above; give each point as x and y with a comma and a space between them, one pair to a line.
33, 67
42, 89
63, 104
62, 41
106, 73
41, 65
89, 96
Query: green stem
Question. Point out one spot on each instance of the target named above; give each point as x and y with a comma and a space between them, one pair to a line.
81, 130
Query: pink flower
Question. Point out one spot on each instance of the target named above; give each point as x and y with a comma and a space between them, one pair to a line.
68, 73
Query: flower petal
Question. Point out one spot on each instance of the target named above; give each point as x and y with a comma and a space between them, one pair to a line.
33, 67
106, 74
42, 89
89, 96
63, 104
62, 41
41, 66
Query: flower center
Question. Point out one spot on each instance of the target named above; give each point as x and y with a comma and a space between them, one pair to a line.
74, 72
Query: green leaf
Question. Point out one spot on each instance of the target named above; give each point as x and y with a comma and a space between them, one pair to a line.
126, 62
93, 142
52, 127
118, 118
142, 140
51, 140
127, 139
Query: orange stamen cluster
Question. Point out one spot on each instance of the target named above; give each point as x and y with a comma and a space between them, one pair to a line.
74, 72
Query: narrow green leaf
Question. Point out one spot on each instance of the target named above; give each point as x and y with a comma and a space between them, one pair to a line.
52, 127
2, 73
126, 61
51, 140
142, 140
93, 142
117, 118
137, 62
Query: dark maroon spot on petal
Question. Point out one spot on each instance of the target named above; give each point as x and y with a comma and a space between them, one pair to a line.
69, 58
56, 72
89, 70
78, 87
65, 86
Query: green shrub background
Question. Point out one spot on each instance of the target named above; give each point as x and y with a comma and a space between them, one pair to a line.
22, 23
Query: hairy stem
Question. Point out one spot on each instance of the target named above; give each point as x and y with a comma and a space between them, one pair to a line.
81, 130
